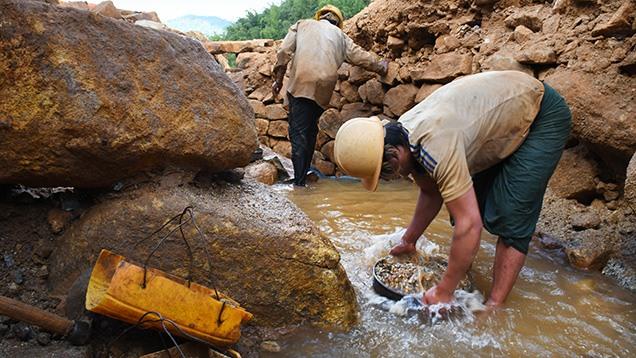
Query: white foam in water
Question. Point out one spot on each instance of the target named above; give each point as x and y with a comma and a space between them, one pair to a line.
382, 244
464, 303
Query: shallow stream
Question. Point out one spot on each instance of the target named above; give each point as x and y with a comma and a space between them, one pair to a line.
553, 310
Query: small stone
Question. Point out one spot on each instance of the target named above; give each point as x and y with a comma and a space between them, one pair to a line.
270, 346
8, 260
3, 329
610, 195
108, 9
275, 111
358, 75
394, 43
392, 74
43, 338
349, 92
18, 277
325, 167
586, 220
549, 242
400, 99
43, 272
612, 205
522, 34
278, 129
13, 286
372, 92
263, 172
262, 125
22, 331
537, 54
444, 68
283, 148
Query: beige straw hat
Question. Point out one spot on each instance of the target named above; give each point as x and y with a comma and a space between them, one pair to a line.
358, 149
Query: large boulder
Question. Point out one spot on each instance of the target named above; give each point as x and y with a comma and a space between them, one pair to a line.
575, 174
275, 262
88, 100
603, 111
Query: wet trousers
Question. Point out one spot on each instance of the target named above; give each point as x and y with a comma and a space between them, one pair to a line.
303, 130
510, 194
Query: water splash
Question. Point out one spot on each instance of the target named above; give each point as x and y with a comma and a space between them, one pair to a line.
382, 244
464, 304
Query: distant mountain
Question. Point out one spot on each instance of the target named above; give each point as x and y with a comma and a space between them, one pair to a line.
209, 25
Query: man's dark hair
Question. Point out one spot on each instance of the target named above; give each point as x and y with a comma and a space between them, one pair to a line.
394, 135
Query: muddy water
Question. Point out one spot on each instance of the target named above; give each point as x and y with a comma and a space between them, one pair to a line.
554, 310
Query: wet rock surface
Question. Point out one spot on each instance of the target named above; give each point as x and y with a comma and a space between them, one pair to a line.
122, 100
274, 262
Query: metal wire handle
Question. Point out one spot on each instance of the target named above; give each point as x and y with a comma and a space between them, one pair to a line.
190, 212
144, 319
163, 239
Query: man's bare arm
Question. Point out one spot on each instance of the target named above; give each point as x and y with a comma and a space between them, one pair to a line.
464, 247
429, 202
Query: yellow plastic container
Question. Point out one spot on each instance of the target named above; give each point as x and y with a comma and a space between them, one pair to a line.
115, 290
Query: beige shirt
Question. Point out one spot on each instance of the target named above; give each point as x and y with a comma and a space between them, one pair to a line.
318, 49
470, 125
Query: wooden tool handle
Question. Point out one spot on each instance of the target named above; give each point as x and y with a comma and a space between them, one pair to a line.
35, 316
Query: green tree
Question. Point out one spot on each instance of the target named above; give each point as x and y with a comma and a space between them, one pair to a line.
274, 21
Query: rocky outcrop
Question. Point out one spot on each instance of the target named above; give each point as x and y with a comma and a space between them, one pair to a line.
88, 100
265, 252
600, 101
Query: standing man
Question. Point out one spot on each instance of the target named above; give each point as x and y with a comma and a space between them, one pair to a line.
485, 145
316, 48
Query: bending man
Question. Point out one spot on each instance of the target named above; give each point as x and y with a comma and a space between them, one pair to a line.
318, 48
484, 145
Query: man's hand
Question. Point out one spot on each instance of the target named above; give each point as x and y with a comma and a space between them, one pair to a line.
436, 294
276, 89
404, 248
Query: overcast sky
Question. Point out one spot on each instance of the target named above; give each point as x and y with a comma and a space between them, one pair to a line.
170, 9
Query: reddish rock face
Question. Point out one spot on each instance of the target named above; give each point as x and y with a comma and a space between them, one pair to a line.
88, 100
602, 115
400, 99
